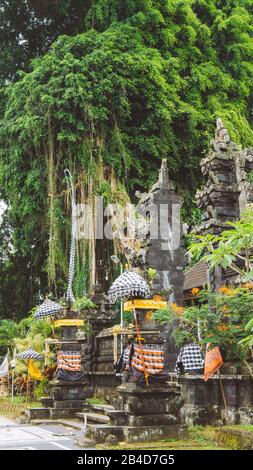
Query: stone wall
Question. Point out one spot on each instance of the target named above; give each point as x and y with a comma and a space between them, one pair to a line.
204, 402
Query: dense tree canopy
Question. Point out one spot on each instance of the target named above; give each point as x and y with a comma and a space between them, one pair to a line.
28, 27
131, 83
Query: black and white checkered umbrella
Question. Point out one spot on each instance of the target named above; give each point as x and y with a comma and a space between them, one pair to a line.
128, 285
30, 354
47, 309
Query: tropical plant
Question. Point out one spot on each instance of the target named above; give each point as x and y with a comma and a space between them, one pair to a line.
221, 319
247, 342
41, 389
9, 332
152, 273
232, 248
165, 315
82, 303
31, 326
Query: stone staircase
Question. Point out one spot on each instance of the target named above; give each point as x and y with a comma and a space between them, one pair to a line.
135, 414
104, 415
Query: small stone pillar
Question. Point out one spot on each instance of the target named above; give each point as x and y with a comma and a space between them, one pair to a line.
68, 397
98, 364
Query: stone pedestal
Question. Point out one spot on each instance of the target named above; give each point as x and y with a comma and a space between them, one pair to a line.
145, 414
151, 405
68, 398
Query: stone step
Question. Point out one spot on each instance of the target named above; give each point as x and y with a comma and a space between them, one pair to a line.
51, 413
115, 401
94, 417
117, 417
57, 413
103, 408
47, 402
23, 420
99, 433
59, 404
35, 413
72, 423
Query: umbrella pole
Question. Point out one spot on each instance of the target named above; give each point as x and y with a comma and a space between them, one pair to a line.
140, 344
27, 387
52, 324
224, 398
27, 382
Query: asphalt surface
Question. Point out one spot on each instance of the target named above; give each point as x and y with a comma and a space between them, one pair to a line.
14, 436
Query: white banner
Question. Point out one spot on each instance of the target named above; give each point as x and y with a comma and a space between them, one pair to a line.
4, 368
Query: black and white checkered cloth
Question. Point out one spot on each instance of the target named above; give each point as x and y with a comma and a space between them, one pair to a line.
30, 354
48, 308
190, 357
128, 285
70, 296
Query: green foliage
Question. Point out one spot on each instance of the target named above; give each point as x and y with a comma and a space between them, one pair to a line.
32, 327
37, 24
96, 400
163, 316
142, 81
42, 389
35, 341
152, 273
9, 330
83, 303
231, 246
28, 333
250, 177
221, 318
247, 342
128, 317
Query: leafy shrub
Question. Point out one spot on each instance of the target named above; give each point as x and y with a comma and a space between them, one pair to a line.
82, 303
42, 388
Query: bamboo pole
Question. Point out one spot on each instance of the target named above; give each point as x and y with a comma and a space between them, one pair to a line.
224, 397
140, 344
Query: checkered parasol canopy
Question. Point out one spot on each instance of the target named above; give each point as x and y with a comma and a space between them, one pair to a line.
30, 354
128, 285
48, 308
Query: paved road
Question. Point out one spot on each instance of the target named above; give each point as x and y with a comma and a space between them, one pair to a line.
14, 436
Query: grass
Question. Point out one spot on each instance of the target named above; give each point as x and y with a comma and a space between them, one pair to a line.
240, 427
96, 401
199, 438
18, 400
